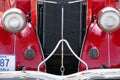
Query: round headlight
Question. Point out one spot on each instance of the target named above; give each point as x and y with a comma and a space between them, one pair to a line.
109, 19
13, 20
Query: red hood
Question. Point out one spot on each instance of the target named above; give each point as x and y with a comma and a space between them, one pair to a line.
6, 4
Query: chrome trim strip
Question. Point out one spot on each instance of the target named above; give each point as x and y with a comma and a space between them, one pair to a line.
51, 54
108, 36
71, 2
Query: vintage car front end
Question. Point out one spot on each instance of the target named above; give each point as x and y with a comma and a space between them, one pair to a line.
91, 28
79, 39
19, 45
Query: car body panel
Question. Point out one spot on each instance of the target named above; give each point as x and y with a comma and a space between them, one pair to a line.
18, 43
107, 43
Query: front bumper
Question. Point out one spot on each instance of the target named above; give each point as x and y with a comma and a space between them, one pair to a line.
84, 75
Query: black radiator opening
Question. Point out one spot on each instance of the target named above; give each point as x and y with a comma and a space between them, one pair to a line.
49, 31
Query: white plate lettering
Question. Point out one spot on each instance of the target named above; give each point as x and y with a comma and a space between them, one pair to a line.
7, 62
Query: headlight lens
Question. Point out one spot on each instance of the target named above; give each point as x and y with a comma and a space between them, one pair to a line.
14, 20
109, 19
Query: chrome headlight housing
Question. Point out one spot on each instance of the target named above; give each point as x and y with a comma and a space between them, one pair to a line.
14, 20
109, 19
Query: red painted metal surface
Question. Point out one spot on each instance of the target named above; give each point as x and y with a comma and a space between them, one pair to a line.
6, 4
115, 49
96, 38
34, 12
108, 44
27, 39
18, 43
89, 13
24, 5
97, 5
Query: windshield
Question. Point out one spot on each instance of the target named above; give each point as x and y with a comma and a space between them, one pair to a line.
6, 4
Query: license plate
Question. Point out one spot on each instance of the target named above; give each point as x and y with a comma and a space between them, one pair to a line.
7, 62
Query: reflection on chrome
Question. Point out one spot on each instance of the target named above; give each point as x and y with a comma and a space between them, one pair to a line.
83, 75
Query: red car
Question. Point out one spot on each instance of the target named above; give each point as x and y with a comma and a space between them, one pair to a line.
72, 35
